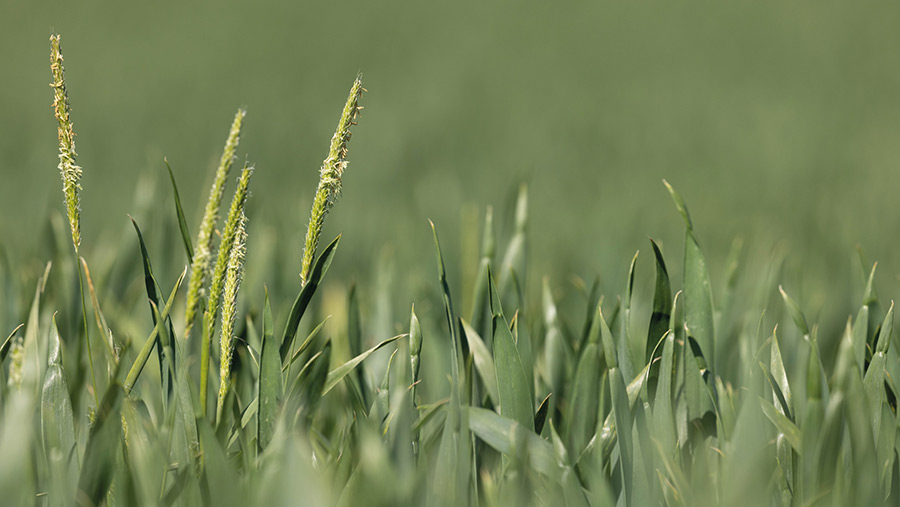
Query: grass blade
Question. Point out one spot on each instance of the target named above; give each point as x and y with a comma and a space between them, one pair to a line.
4, 348
481, 291
662, 308
784, 425
698, 313
484, 362
270, 383
512, 383
584, 393
101, 453
511, 438
795, 311
338, 374
153, 299
182, 222
144, 353
57, 423
305, 296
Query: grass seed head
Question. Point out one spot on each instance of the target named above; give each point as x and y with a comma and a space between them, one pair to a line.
330, 176
69, 170
200, 267
233, 277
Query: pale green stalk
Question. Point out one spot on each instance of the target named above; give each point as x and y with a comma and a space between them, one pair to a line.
71, 176
330, 177
233, 276
218, 279
203, 248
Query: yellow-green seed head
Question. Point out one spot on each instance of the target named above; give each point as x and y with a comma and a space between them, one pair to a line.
233, 277
330, 176
68, 169
201, 265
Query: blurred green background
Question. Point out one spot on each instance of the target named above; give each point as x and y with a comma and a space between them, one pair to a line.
778, 123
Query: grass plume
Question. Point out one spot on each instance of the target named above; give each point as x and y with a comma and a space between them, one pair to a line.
68, 169
203, 249
330, 176
71, 175
217, 283
233, 276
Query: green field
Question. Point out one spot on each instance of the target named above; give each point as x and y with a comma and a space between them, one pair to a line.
199, 353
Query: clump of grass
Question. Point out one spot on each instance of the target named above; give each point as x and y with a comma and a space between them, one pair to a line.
703, 416
203, 253
330, 176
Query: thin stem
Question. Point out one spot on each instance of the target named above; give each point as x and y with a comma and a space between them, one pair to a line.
87, 337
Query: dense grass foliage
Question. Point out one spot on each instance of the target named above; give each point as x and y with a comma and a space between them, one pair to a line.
510, 392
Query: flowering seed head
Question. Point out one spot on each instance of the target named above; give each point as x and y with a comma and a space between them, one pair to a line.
68, 169
330, 176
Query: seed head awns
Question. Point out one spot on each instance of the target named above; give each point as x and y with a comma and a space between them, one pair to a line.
330, 176
69, 170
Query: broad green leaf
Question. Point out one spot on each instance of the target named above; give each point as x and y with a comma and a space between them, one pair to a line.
144, 353
873, 382
679, 205
698, 308
511, 438
32, 368
57, 422
795, 311
186, 405
643, 465
415, 349
270, 380
102, 451
540, 417
594, 299
583, 399
782, 423
777, 395
456, 352
606, 338
484, 362
514, 258
305, 345
776, 368
182, 223
887, 436
556, 351
623, 417
451, 471
512, 383
305, 296
522, 339
623, 346
859, 336
307, 390
663, 416
481, 292
222, 484
338, 374
676, 482
153, 299
662, 308
355, 341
